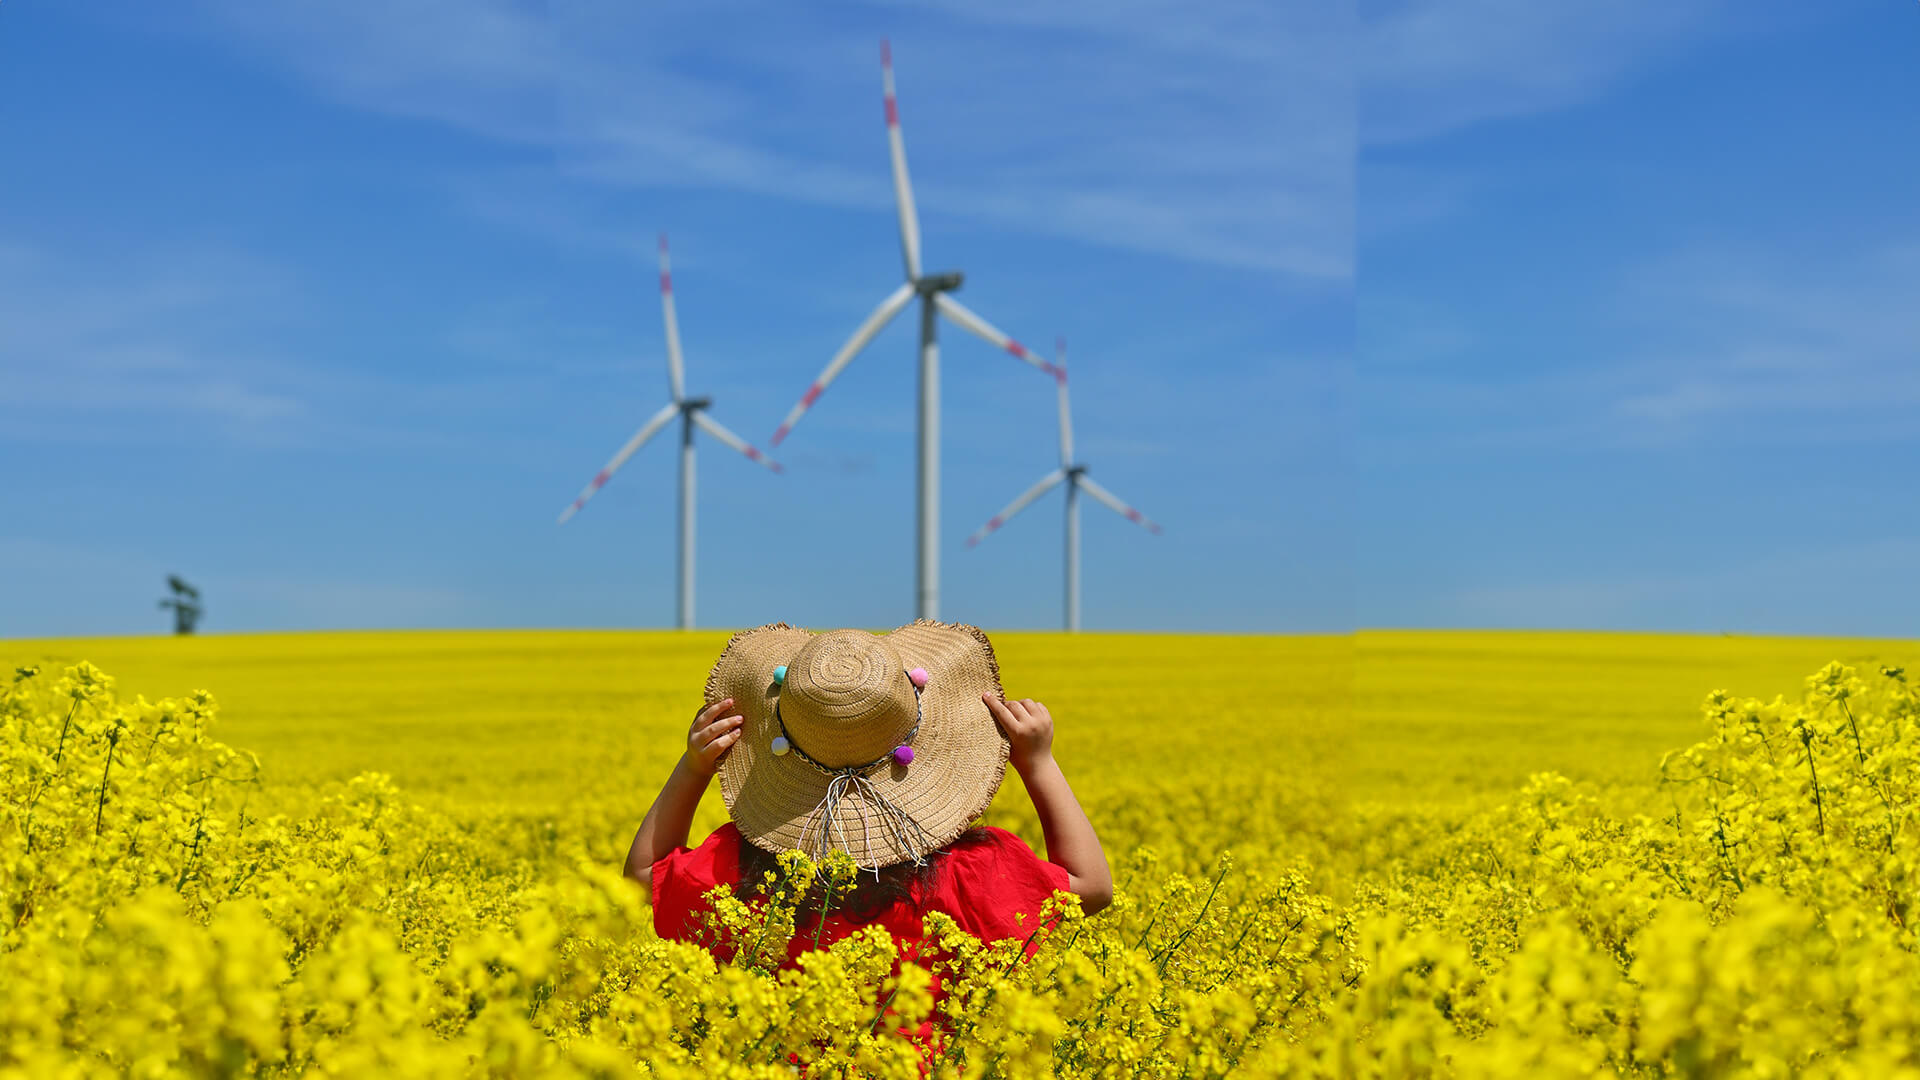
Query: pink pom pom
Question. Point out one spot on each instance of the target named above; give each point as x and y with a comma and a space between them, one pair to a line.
918, 675
903, 754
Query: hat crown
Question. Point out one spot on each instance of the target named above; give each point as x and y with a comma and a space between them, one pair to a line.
847, 699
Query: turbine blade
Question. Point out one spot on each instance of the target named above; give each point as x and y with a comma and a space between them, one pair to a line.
1046, 483
881, 316
676, 373
968, 321
1066, 415
647, 431
714, 428
1119, 507
902, 188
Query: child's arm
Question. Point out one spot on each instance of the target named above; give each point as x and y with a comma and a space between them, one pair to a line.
1071, 843
667, 821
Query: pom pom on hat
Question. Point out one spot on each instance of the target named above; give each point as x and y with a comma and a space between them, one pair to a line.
919, 676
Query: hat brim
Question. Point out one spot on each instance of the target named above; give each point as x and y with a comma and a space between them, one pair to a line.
960, 753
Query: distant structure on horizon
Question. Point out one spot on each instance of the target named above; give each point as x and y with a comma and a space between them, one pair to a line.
692, 412
185, 603
934, 291
1074, 475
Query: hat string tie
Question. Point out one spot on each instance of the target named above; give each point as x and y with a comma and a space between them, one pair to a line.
826, 828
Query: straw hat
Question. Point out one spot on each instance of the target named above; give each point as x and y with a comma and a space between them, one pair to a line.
873, 744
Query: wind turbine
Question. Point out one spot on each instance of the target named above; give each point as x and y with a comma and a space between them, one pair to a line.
934, 291
1074, 475
692, 412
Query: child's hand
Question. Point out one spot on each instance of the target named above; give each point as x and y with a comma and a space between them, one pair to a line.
714, 730
1029, 728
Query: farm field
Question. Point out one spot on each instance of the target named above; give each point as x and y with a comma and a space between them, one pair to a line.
1400, 899
582, 727
540, 720
1447, 716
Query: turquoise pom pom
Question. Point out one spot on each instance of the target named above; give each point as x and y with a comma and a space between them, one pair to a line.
780, 675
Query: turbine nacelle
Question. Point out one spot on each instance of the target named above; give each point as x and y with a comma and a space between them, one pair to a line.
935, 294
692, 412
934, 284
1074, 475
934, 288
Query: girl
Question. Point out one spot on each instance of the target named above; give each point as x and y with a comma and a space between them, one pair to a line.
887, 748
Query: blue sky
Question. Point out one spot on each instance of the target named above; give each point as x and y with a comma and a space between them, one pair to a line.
1478, 313
331, 307
1638, 320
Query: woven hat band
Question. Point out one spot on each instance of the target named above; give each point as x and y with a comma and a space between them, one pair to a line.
847, 698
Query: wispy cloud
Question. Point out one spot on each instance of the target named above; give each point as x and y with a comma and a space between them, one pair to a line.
1770, 336
1430, 67
1724, 344
141, 338
487, 67
1222, 135
214, 346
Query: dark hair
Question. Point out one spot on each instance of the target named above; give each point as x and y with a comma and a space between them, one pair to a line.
871, 895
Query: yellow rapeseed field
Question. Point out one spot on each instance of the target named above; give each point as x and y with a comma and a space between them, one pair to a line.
1401, 854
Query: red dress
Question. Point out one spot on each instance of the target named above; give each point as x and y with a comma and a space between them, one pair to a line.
993, 888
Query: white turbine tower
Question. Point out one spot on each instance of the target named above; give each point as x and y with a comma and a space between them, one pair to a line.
692, 412
1074, 475
934, 292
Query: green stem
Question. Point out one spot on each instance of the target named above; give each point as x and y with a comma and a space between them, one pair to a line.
1021, 955
1819, 807
1195, 925
158, 731
768, 912
888, 1000
1726, 852
100, 810
1154, 919
193, 852
826, 903
64, 725
1858, 750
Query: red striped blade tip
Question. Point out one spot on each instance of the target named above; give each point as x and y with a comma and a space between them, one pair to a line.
780, 433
